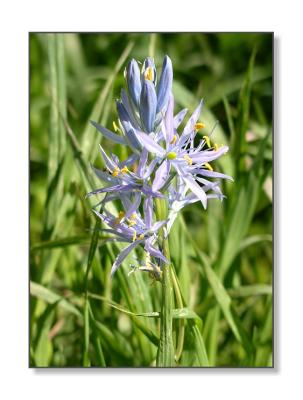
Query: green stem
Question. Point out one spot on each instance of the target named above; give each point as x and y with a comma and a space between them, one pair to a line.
165, 355
179, 302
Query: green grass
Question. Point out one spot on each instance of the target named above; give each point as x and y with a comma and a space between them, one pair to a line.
221, 272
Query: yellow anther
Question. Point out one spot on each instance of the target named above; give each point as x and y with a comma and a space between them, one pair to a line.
120, 217
216, 147
141, 236
124, 170
174, 139
207, 140
149, 74
132, 220
188, 159
116, 128
116, 171
208, 166
131, 223
171, 155
134, 236
199, 125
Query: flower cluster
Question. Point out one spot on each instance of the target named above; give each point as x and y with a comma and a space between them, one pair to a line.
163, 163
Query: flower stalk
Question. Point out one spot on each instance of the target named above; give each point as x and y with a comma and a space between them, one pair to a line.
166, 352
165, 171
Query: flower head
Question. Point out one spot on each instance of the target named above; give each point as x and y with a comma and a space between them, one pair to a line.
129, 226
189, 162
163, 163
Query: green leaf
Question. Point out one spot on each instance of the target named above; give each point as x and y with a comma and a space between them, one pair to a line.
62, 242
86, 327
225, 303
241, 210
251, 290
43, 346
252, 240
50, 297
238, 144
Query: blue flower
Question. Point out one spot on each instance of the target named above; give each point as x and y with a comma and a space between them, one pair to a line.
189, 162
133, 80
148, 105
144, 104
165, 84
122, 180
162, 164
130, 227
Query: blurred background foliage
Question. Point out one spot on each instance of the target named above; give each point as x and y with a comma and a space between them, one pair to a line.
222, 256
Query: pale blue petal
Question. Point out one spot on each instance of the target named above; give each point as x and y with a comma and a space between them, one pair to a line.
134, 206
108, 162
133, 81
148, 105
127, 126
126, 103
150, 168
212, 174
133, 140
154, 252
130, 160
148, 211
194, 187
207, 156
179, 118
150, 144
168, 132
142, 162
124, 253
104, 176
157, 226
165, 84
161, 175
147, 190
109, 189
190, 125
108, 134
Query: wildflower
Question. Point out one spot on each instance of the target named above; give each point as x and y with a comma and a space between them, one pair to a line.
145, 104
178, 196
163, 164
122, 180
179, 152
130, 227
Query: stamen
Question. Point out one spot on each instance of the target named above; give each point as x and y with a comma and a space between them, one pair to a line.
216, 147
208, 166
132, 220
120, 217
134, 236
116, 128
174, 139
124, 170
149, 74
116, 171
171, 155
199, 125
188, 159
141, 236
207, 140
